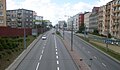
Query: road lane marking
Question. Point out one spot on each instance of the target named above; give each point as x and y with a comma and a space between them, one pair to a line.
56, 49
103, 64
42, 51
88, 51
40, 57
57, 62
56, 53
57, 57
58, 68
37, 66
95, 57
43, 47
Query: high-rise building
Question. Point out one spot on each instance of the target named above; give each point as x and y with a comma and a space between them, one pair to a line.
86, 20
101, 20
2, 12
19, 18
93, 25
115, 27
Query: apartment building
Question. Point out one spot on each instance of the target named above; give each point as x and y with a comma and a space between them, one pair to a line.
115, 27
11, 18
101, 20
19, 18
93, 20
86, 20
108, 18
2, 12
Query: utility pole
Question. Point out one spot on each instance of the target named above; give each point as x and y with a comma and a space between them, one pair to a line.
24, 36
72, 36
63, 31
107, 37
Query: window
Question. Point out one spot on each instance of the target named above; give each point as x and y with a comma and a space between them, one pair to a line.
1, 13
1, 21
1, 6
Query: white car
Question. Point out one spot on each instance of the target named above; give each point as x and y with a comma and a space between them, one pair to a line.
44, 38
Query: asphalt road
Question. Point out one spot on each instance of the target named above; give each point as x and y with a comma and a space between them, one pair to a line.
49, 54
99, 60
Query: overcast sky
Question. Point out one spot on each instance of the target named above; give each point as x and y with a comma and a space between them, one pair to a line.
55, 10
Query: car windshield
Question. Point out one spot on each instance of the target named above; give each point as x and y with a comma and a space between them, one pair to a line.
59, 34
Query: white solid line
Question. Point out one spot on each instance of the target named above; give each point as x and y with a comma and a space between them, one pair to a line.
40, 57
56, 52
57, 57
42, 51
56, 49
58, 68
37, 66
103, 64
95, 57
57, 62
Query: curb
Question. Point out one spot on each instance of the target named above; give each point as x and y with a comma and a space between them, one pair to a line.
19, 59
100, 50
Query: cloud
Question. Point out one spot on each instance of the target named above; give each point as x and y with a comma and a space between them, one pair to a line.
52, 11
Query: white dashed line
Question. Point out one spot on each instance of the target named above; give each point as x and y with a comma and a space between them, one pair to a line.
95, 57
40, 57
88, 51
58, 68
56, 49
57, 62
42, 51
103, 64
57, 57
43, 47
56, 53
37, 66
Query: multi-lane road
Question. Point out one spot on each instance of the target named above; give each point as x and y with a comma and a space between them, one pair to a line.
87, 52
49, 54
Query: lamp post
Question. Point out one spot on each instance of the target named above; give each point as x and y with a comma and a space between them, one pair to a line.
72, 36
24, 36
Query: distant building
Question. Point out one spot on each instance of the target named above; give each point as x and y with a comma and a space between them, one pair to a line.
3, 13
93, 25
86, 20
61, 23
19, 18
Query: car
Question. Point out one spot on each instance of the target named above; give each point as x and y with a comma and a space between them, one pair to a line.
44, 38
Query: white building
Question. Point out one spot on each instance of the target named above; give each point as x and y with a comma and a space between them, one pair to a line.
38, 18
86, 21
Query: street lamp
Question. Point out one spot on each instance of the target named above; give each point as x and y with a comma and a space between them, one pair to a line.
72, 36
24, 36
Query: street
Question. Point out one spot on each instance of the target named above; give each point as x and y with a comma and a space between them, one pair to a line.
99, 60
49, 54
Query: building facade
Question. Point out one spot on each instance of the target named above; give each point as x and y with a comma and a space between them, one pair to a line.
2, 12
19, 18
93, 25
115, 27
101, 20
86, 20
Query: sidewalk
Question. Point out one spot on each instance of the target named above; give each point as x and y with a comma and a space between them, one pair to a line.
112, 47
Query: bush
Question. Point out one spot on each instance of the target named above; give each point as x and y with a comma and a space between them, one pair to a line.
9, 52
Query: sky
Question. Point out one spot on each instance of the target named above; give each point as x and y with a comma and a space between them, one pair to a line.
55, 10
